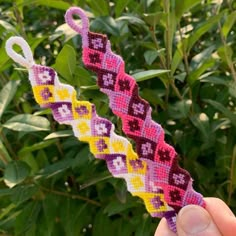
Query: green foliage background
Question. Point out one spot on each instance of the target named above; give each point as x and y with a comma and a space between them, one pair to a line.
181, 52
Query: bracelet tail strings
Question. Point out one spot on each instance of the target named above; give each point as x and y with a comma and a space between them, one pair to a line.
135, 114
140, 174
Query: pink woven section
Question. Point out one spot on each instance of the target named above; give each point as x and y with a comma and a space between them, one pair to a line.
135, 114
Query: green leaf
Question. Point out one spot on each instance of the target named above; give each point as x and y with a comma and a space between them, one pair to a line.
201, 121
225, 53
177, 58
22, 193
202, 29
102, 225
54, 4
36, 146
91, 87
132, 20
6, 25
232, 88
229, 23
15, 173
153, 96
155, 18
54, 169
144, 228
150, 56
59, 134
7, 93
215, 80
83, 77
230, 115
201, 57
28, 218
116, 207
100, 7
66, 62
27, 123
105, 24
182, 6
120, 6
96, 179
195, 74
7, 210
149, 74
5, 192
180, 109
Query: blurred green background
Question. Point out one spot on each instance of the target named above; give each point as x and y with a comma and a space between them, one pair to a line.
50, 184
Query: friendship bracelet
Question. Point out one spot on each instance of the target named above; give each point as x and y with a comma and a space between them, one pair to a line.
142, 175
135, 114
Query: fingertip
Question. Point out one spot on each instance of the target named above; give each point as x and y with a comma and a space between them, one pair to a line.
195, 220
221, 215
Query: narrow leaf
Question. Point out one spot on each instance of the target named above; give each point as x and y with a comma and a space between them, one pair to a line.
36, 146
54, 4
7, 93
230, 115
149, 74
205, 27
59, 134
155, 18
120, 6
195, 74
27, 123
182, 6
106, 24
4, 155
201, 122
230, 20
101, 7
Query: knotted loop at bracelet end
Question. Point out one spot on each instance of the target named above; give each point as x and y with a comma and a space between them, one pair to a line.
70, 20
26, 59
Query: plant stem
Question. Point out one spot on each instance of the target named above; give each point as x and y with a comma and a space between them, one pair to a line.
73, 196
167, 34
8, 146
228, 59
185, 54
154, 38
3, 158
176, 90
19, 20
224, 41
231, 177
230, 5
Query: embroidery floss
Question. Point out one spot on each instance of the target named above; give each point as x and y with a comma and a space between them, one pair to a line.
135, 114
141, 174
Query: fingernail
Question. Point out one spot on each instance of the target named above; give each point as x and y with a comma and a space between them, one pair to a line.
193, 219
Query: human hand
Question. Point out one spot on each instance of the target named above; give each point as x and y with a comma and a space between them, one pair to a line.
215, 220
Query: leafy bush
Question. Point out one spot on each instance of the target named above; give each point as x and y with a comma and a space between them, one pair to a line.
50, 183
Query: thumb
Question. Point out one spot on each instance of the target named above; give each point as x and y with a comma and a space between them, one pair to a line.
196, 221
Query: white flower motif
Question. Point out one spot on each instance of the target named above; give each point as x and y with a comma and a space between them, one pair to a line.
179, 179
138, 108
108, 79
118, 163
101, 128
44, 76
153, 186
64, 110
97, 43
147, 148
